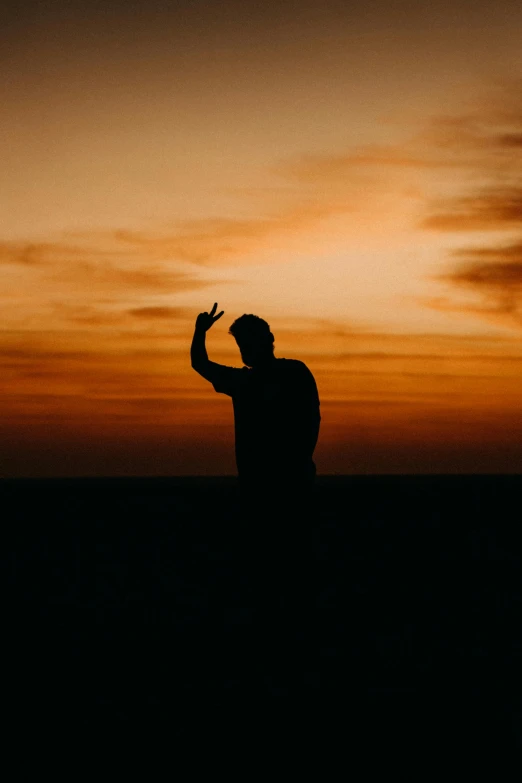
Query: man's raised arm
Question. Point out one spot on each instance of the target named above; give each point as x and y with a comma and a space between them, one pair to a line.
198, 351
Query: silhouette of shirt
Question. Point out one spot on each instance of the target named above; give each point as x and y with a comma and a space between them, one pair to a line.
276, 417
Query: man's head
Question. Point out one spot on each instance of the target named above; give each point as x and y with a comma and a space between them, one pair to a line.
254, 339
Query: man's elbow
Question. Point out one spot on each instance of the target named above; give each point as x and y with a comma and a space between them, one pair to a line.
198, 367
197, 363
203, 369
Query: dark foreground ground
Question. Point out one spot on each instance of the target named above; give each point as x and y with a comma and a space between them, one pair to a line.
395, 614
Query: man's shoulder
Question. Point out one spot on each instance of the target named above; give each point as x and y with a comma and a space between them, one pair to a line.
290, 362
225, 379
293, 365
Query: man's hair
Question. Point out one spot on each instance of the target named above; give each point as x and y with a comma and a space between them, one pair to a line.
249, 325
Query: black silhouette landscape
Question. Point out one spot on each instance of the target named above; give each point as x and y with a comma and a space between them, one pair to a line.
131, 600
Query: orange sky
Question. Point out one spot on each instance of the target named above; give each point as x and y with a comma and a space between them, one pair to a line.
352, 176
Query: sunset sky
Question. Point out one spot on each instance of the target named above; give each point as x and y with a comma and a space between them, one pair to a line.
352, 174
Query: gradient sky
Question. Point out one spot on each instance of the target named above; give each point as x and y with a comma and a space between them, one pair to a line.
352, 175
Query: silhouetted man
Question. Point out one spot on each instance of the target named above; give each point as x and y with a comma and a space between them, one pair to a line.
276, 415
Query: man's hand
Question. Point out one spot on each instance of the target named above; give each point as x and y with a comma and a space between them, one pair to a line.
205, 320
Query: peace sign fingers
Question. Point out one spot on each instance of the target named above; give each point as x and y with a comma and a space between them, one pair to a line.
206, 320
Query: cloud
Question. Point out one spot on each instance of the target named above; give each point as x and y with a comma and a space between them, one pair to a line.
132, 269
105, 278
161, 312
488, 142
474, 141
216, 240
100, 316
313, 188
480, 149
31, 352
493, 209
55, 252
486, 280
494, 276
94, 283
103, 259
145, 259
323, 168
510, 140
